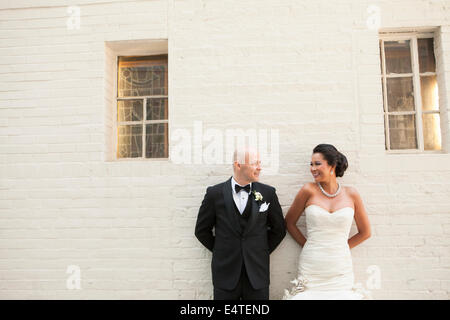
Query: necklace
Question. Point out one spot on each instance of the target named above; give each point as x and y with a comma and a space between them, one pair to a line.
330, 195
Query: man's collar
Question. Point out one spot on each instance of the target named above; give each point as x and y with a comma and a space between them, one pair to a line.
233, 182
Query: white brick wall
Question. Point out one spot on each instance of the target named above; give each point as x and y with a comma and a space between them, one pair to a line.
308, 69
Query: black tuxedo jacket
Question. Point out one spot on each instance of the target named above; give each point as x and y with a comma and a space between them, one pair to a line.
231, 246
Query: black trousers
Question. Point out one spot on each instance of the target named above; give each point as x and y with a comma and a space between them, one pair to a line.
243, 290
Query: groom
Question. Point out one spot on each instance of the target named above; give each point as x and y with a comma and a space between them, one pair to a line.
249, 225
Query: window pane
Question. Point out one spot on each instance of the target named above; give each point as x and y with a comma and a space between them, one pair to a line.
402, 131
431, 131
400, 94
157, 109
398, 56
130, 141
129, 110
429, 92
427, 62
156, 140
142, 76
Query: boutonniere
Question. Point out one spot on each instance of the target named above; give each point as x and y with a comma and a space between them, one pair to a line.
258, 196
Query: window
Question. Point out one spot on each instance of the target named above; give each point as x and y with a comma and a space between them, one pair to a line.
142, 107
410, 92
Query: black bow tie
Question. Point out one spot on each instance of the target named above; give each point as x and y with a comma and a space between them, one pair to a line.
238, 188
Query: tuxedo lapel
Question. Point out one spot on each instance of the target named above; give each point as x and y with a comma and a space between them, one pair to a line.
228, 198
255, 208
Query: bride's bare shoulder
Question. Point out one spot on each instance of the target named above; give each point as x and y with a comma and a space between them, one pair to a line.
307, 189
352, 192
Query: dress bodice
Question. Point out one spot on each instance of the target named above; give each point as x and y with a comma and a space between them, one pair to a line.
324, 226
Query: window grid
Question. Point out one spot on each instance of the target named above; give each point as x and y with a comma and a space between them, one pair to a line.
142, 122
416, 74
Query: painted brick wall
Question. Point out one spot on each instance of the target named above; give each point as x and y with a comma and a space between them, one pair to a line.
307, 69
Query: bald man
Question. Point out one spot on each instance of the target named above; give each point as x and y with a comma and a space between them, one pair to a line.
249, 225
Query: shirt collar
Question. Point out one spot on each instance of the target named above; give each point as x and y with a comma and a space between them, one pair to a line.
233, 183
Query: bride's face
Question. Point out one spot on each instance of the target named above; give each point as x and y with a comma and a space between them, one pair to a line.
319, 167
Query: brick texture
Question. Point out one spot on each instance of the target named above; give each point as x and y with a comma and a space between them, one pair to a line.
309, 69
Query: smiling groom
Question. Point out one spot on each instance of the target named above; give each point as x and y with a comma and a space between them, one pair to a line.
249, 225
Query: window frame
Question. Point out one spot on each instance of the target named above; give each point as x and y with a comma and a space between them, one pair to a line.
416, 74
143, 122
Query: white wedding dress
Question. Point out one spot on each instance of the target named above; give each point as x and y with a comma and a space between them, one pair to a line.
325, 265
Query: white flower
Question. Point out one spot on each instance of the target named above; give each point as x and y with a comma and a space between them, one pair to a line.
258, 196
359, 289
299, 286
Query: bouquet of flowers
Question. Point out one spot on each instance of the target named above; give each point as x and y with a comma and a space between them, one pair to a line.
299, 286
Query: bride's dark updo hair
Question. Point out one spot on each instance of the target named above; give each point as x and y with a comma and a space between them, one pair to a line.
333, 157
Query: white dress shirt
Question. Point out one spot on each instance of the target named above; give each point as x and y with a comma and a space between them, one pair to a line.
240, 198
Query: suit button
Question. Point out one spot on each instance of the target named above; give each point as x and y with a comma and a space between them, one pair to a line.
243, 238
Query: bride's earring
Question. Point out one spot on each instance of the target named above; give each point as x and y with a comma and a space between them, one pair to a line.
331, 172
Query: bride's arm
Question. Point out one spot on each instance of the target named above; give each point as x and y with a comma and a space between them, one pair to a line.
361, 219
295, 212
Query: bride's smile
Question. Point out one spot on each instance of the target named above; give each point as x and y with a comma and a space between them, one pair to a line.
320, 169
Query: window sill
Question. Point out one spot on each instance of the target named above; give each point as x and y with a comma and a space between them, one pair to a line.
413, 151
140, 159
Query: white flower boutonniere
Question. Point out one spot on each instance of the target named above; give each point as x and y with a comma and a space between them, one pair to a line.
258, 196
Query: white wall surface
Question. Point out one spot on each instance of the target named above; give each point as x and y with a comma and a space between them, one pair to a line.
309, 69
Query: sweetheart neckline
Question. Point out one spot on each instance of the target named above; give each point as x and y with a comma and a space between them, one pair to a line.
315, 205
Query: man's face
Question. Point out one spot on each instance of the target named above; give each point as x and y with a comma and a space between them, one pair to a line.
251, 168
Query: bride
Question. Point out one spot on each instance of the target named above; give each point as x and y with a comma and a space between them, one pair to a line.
325, 263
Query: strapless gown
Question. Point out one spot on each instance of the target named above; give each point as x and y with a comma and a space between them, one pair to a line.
325, 269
